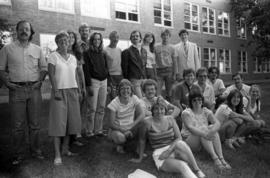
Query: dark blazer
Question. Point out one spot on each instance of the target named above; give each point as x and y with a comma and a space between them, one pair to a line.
133, 63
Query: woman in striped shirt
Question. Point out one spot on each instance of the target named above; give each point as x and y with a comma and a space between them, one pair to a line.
171, 154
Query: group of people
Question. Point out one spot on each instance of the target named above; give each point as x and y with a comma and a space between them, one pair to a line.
195, 111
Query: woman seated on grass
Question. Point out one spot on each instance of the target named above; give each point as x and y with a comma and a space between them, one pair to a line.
125, 114
254, 106
171, 154
200, 127
150, 90
234, 120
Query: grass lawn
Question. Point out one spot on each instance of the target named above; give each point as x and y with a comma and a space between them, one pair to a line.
98, 159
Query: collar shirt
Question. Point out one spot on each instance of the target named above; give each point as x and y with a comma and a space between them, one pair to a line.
208, 93
22, 63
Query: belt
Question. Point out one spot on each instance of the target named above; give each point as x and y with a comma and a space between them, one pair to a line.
25, 83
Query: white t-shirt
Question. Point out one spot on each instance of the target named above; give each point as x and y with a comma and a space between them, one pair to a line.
124, 112
114, 60
65, 70
151, 58
217, 85
222, 113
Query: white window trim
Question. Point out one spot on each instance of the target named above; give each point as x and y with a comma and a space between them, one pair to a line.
230, 61
223, 29
215, 23
209, 52
57, 9
162, 15
255, 71
245, 37
199, 25
126, 20
83, 13
8, 3
241, 62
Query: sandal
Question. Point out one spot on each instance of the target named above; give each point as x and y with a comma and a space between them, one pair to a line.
69, 153
219, 164
57, 161
200, 174
225, 164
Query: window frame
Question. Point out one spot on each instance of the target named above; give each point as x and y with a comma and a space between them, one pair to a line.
7, 3
209, 54
57, 9
208, 27
241, 20
127, 12
89, 14
162, 15
224, 61
265, 63
190, 15
223, 25
240, 63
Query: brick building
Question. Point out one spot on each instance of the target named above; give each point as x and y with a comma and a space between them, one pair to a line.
222, 40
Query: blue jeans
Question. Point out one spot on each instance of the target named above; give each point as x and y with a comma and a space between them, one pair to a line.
25, 105
97, 104
164, 75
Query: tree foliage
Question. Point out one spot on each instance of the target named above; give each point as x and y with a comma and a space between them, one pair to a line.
257, 15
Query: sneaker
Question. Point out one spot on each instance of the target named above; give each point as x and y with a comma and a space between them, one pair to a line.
200, 174
17, 160
78, 143
89, 134
241, 140
38, 155
229, 143
57, 161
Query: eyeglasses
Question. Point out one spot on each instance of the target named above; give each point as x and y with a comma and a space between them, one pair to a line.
197, 100
202, 76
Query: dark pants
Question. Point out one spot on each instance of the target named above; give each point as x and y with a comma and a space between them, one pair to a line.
25, 103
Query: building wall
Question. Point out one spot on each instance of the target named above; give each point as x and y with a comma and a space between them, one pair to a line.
49, 22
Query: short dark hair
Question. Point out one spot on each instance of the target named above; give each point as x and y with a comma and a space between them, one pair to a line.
165, 32
135, 31
31, 28
237, 73
195, 93
188, 71
182, 31
210, 70
84, 25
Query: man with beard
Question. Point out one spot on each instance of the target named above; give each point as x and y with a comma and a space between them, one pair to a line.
26, 70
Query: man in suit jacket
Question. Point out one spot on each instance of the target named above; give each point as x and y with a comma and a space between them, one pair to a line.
187, 54
134, 62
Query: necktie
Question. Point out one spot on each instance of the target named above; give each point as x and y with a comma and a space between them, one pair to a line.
186, 49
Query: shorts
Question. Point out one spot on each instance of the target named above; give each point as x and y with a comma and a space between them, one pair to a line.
157, 153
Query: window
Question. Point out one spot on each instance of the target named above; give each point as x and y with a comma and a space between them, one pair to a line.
209, 57
223, 26
242, 61
96, 8
208, 20
47, 44
163, 12
122, 44
199, 52
191, 17
5, 2
261, 65
224, 60
127, 10
241, 29
65, 6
